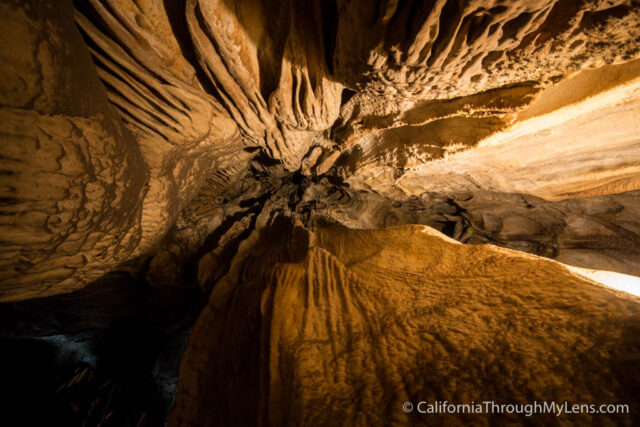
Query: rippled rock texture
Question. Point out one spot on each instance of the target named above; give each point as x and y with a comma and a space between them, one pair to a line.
341, 327
165, 146
116, 113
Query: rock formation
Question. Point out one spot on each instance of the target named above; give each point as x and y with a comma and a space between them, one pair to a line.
363, 203
338, 324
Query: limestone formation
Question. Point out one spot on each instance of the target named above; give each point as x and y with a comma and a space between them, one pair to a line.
72, 184
362, 202
338, 326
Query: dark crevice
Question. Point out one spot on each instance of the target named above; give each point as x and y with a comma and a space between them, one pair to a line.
511, 28
407, 22
449, 19
347, 94
329, 14
178, 22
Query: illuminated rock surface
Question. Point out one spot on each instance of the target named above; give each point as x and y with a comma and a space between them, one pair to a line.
343, 326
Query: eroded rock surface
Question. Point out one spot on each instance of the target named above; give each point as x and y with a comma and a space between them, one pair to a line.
386, 96
72, 184
343, 326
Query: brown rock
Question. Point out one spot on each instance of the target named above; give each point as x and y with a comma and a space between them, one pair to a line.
335, 325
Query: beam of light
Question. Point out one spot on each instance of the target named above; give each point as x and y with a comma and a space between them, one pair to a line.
622, 282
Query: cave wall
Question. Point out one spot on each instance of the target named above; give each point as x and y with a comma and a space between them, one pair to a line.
143, 105
71, 178
313, 326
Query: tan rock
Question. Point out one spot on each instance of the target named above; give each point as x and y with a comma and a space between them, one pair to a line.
340, 326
